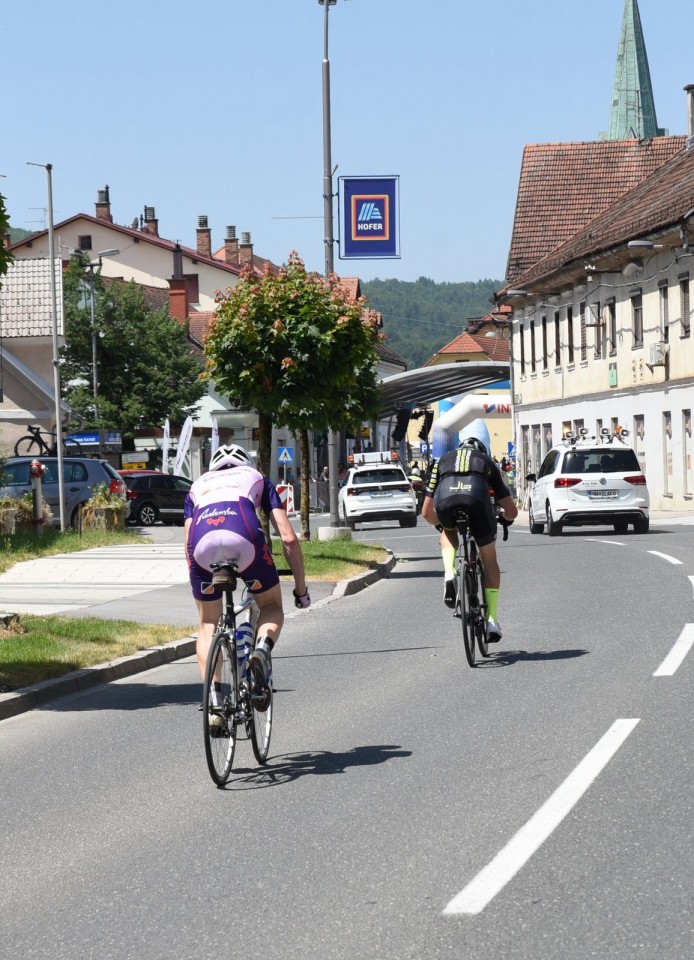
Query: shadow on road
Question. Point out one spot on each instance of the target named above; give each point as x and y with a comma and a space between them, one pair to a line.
509, 657
289, 767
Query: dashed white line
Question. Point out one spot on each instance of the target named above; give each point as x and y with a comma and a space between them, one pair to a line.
506, 864
617, 543
682, 646
665, 556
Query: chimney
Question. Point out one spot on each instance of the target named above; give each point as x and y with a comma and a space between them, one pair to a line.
689, 90
151, 224
245, 250
204, 238
178, 299
178, 262
231, 247
103, 205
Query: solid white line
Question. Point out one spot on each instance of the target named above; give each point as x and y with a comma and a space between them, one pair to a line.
665, 556
682, 646
617, 543
691, 580
506, 864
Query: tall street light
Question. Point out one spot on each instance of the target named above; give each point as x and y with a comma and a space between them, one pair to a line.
48, 167
95, 333
329, 240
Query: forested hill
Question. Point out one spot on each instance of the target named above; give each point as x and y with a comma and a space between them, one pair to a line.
422, 316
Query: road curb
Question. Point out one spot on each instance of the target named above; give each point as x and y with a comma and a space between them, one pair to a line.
39, 694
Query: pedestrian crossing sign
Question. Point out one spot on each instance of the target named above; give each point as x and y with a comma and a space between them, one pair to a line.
285, 454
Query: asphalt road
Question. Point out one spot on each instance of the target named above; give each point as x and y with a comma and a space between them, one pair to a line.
538, 807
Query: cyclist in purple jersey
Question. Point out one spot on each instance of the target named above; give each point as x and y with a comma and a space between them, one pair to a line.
221, 523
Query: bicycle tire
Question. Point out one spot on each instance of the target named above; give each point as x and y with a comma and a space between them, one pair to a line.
72, 448
260, 726
466, 612
481, 623
219, 722
28, 446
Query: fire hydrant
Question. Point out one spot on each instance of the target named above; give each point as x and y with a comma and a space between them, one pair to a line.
36, 472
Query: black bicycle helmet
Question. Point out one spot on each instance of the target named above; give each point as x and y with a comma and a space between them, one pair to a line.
230, 456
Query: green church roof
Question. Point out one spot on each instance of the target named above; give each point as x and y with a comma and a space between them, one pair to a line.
633, 108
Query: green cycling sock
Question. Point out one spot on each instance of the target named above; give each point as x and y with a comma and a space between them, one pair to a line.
491, 595
448, 556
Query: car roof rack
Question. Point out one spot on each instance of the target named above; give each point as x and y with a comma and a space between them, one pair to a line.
572, 439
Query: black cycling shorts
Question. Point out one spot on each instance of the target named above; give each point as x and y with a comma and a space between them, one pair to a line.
471, 492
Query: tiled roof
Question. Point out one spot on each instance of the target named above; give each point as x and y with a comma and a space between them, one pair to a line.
563, 186
659, 203
25, 299
493, 348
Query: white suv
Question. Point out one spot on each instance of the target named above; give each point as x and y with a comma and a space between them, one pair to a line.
376, 488
589, 481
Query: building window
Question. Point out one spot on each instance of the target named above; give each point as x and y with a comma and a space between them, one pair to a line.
687, 451
667, 451
532, 346
595, 316
545, 363
547, 437
521, 335
557, 340
84, 243
684, 304
664, 313
570, 332
612, 326
582, 327
565, 428
637, 319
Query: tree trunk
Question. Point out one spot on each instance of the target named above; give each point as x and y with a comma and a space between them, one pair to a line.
264, 457
305, 489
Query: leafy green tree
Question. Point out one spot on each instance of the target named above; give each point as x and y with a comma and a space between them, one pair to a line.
292, 347
5, 257
146, 368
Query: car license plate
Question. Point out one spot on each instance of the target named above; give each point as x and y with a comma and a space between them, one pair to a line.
602, 494
380, 493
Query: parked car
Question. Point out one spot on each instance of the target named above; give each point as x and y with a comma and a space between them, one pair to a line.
80, 475
154, 495
589, 481
376, 488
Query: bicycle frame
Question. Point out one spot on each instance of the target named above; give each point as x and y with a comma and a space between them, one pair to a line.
471, 606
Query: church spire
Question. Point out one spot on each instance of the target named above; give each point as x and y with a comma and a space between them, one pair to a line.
633, 107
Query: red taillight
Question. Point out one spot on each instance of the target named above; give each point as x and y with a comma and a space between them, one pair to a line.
131, 494
566, 482
351, 492
116, 486
638, 480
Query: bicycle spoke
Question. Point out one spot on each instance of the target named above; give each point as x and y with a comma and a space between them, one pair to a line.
219, 704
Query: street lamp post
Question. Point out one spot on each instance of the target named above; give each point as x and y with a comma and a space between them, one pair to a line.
48, 167
95, 333
329, 239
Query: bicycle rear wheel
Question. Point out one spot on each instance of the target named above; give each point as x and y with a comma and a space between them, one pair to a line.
27, 446
467, 614
261, 722
481, 621
219, 705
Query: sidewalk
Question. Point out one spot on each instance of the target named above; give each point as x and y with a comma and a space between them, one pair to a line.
144, 583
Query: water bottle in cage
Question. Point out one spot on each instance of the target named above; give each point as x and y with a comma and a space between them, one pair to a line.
244, 645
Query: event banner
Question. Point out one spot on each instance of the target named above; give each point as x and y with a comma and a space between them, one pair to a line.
369, 218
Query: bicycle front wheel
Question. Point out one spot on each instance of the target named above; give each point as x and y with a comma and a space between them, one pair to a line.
27, 446
71, 448
261, 721
481, 624
219, 706
467, 614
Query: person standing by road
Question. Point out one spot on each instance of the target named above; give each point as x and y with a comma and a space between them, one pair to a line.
222, 523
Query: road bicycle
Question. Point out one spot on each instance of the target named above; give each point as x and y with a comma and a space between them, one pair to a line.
231, 701
36, 444
471, 605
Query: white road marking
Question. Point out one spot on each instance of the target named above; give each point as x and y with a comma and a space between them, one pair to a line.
682, 646
506, 864
617, 543
665, 556
691, 580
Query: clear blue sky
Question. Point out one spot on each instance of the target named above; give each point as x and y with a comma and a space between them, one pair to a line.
215, 108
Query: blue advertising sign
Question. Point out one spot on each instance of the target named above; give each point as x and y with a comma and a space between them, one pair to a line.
369, 218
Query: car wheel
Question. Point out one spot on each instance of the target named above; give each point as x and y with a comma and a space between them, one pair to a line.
408, 521
147, 515
553, 528
534, 526
641, 526
621, 526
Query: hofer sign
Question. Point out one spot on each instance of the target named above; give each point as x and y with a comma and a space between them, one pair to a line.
369, 218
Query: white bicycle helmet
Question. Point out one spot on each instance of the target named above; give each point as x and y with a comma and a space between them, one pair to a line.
230, 456
475, 443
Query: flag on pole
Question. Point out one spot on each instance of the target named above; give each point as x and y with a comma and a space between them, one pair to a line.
165, 448
183, 444
215, 437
